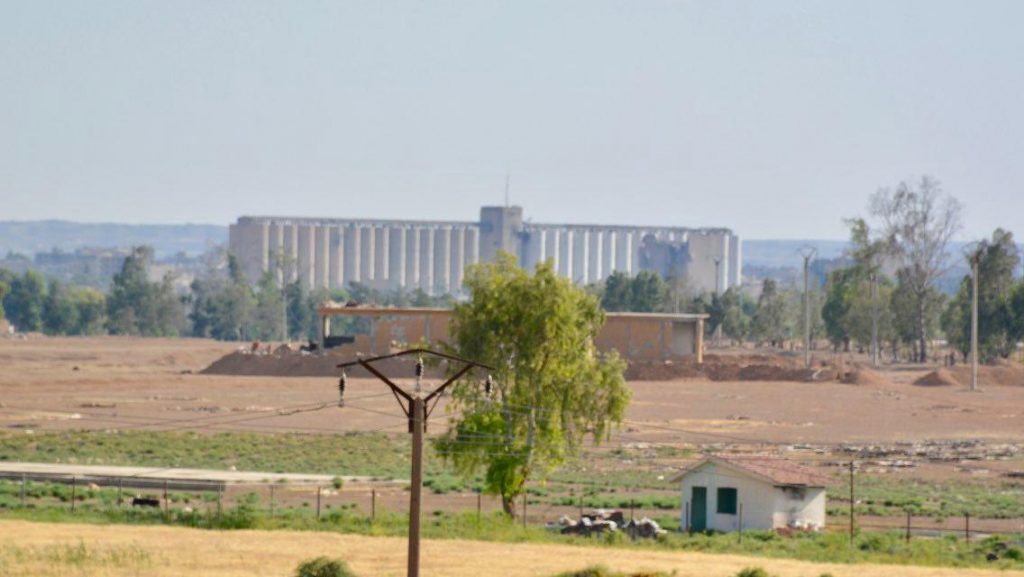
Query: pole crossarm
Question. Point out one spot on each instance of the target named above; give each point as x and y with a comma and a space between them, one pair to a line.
415, 406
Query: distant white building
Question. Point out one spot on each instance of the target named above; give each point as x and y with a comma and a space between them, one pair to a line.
722, 493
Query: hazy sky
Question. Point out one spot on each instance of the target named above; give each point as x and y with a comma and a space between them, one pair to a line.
776, 118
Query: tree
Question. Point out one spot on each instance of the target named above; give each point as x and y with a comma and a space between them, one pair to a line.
997, 334
648, 292
917, 222
24, 302
267, 322
551, 388
733, 311
617, 294
770, 318
5, 288
221, 304
139, 307
60, 315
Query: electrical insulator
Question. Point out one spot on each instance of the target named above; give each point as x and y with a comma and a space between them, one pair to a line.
419, 367
341, 389
488, 386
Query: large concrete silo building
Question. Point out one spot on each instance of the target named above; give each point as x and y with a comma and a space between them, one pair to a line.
433, 255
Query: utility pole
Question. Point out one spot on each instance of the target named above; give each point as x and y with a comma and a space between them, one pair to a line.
974, 320
718, 290
417, 409
807, 253
874, 320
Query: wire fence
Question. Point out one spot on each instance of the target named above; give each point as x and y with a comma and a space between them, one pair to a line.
99, 494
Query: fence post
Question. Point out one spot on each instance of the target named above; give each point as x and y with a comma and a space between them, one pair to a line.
373, 505
74, 482
581, 506
852, 503
271, 500
479, 504
220, 501
967, 527
739, 524
318, 491
23, 490
120, 491
687, 515
167, 504
524, 508
632, 509
908, 525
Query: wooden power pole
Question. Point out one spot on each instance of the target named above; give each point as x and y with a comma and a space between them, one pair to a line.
417, 408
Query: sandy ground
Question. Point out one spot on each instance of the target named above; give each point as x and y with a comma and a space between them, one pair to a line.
171, 551
123, 383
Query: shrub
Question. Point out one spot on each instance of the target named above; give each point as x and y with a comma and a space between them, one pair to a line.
323, 567
337, 482
753, 572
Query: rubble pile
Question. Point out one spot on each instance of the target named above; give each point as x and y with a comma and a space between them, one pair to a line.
601, 522
908, 455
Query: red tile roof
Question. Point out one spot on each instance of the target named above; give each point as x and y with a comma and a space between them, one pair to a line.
776, 470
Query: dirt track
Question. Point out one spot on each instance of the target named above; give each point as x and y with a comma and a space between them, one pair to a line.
152, 383
174, 551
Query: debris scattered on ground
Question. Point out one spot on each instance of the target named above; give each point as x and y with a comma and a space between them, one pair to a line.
602, 521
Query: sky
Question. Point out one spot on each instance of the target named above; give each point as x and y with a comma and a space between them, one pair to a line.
776, 119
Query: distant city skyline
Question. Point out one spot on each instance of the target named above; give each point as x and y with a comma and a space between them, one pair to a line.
776, 120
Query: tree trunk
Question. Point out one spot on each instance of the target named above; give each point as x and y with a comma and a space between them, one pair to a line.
508, 505
921, 330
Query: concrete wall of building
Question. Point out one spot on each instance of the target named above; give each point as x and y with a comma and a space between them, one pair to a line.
433, 255
764, 505
635, 338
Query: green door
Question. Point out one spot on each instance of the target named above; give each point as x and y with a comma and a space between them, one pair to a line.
699, 509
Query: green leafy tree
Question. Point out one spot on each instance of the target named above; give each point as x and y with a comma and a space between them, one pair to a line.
733, 311
222, 304
997, 334
617, 294
552, 388
60, 315
648, 293
137, 306
771, 323
24, 302
5, 289
907, 316
267, 319
91, 307
917, 222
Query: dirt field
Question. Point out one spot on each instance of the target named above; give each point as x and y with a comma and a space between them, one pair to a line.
124, 383
30, 549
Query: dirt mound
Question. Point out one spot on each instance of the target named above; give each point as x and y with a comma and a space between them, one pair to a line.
725, 368
1004, 374
939, 378
864, 376
285, 362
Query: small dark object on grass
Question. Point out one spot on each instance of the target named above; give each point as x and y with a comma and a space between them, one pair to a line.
145, 502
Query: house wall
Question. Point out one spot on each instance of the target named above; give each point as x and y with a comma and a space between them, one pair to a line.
790, 510
755, 496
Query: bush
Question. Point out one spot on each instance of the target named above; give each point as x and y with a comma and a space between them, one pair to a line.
753, 572
323, 567
337, 482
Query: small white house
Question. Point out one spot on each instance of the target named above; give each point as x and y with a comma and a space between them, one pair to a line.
733, 493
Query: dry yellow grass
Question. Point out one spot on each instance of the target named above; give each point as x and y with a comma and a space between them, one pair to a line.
64, 550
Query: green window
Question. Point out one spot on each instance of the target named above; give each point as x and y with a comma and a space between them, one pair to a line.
727, 501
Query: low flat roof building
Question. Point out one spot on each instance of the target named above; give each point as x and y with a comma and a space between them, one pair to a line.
636, 336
